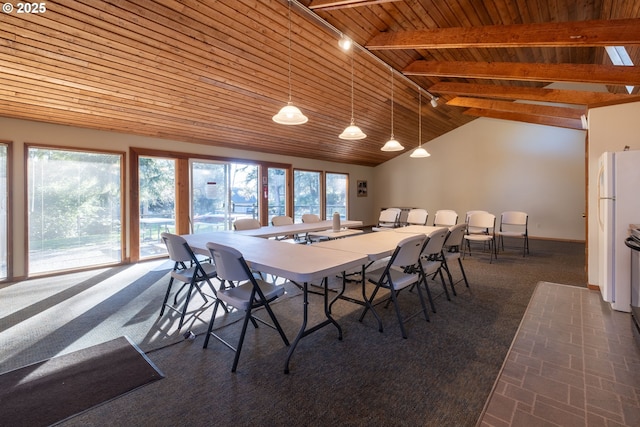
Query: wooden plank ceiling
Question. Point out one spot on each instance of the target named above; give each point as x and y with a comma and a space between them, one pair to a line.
214, 72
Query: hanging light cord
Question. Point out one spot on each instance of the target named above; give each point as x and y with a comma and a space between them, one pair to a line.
419, 118
289, 75
352, 118
391, 102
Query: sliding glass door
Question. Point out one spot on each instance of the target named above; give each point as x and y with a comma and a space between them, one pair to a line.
157, 189
221, 192
306, 194
336, 192
277, 191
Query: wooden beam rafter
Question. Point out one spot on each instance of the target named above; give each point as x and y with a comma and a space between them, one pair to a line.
530, 94
617, 32
515, 107
585, 73
527, 118
343, 4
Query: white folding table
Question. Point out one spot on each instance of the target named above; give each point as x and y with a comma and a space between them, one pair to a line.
298, 263
375, 246
417, 229
293, 229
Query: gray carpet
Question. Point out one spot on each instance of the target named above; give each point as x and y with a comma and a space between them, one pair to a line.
52, 390
440, 376
43, 318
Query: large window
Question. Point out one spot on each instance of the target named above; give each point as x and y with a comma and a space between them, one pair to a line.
336, 194
3, 212
222, 192
74, 209
157, 203
277, 191
306, 194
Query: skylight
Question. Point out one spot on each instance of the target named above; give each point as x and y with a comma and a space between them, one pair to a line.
619, 56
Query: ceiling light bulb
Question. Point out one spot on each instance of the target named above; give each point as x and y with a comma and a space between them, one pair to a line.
419, 153
345, 43
352, 132
392, 145
290, 115
434, 102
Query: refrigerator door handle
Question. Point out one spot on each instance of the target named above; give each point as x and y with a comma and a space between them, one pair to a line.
599, 197
599, 212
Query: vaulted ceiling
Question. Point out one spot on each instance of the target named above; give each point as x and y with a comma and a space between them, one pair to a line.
214, 72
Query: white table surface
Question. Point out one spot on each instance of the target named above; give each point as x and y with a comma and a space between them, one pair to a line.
300, 263
420, 229
345, 232
375, 245
298, 228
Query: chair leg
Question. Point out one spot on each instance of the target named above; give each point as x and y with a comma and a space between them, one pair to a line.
186, 304
274, 319
426, 286
166, 297
463, 273
241, 340
394, 297
444, 286
446, 268
422, 303
210, 328
371, 298
175, 297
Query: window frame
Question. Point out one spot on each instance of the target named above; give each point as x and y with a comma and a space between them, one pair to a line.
346, 201
123, 198
8, 200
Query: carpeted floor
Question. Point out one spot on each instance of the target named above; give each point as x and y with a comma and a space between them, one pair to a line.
50, 391
441, 375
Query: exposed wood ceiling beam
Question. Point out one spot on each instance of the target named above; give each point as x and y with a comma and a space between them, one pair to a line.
527, 118
530, 94
619, 32
342, 4
586, 73
515, 107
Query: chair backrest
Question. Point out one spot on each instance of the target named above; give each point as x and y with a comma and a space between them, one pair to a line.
456, 235
310, 218
281, 220
417, 217
389, 216
435, 242
229, 262
445, 218
481, 220
469, 213
177, 247
515, 219
408, 251
246, 224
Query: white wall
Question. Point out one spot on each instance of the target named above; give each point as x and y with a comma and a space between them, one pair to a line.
495, 165
610, 129
19, 132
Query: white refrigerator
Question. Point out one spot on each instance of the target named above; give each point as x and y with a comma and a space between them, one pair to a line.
618, 207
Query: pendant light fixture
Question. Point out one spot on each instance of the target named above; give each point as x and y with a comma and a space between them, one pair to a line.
345, 43
419, 152
290, 114
352, 132
392, 144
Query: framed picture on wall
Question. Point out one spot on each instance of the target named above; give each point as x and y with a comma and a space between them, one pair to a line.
362, 188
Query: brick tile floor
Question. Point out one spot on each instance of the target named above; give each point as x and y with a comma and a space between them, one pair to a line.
573, 362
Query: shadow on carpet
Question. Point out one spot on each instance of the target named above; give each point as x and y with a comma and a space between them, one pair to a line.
53, 390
